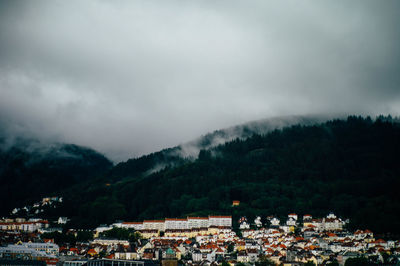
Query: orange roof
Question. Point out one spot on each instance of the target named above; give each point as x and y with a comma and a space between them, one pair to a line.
91, 251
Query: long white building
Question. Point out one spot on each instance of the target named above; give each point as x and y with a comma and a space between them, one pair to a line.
154, 225
174, 223
197, 222
179, 223
134, 225
220, 220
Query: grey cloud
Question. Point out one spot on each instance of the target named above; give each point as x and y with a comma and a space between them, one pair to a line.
132, 77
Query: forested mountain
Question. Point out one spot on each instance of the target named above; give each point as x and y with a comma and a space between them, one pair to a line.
347, 166
176, 156
30, 170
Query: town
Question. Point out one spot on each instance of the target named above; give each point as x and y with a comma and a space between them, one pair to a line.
211, 240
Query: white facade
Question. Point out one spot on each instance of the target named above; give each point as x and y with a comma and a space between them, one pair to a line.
110, 242
134, 225
331, 216
23, 226
220, 220
275, 221
101, 229
257, 221
332, 224
244, 225
197, 222
291, 222
154, 225
62, 220
48, 248
171, 223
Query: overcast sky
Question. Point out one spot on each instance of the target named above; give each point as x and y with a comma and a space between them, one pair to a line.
132, 77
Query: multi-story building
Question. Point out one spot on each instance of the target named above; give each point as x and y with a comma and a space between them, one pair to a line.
30, 226
220, 220
174, 223
134, 225
154, 225
48, 248
197, 222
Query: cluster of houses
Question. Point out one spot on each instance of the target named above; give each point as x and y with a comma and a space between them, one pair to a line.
29, 251
210, 241
21, 224
38, 207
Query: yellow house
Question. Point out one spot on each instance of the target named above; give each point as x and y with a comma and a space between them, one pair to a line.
212, 230
146, 234
235, 203
240, 245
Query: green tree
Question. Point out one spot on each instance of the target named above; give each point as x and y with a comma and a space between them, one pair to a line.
357, 262
230, 247
309, 263
333, 263
84, 236
264, 261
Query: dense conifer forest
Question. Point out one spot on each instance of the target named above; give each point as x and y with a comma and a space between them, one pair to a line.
349, 166
30, 170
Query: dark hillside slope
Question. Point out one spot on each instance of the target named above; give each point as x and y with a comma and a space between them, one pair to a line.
177, 156
30, 170
347, 166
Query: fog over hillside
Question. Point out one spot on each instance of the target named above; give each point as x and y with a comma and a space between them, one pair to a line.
132, 77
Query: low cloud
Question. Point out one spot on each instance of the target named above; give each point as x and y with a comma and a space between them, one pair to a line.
132, 77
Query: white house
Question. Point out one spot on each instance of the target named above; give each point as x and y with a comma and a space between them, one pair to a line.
275, 221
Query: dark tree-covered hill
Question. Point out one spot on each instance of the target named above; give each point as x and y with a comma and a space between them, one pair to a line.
348, 166
177, 156
30, 170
